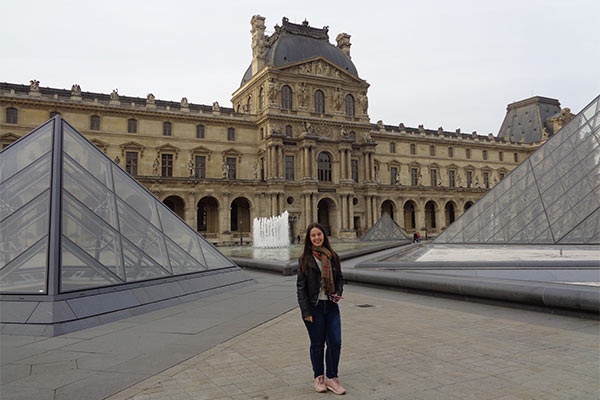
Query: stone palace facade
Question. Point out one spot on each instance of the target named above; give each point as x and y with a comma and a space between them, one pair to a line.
298, 138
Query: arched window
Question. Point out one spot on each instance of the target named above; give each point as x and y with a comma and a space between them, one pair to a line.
349, 100
12, 115
324, 167
319, 102
288, 131
286, 97
249, 104
132, 125
166, 129
95, 123
261, 99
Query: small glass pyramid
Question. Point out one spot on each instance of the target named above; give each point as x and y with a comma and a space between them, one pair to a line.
71, 219
384, 229
553, 197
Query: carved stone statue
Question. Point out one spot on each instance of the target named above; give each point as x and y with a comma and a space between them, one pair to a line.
380, 125
377, 174
184, 102
75, 90
114, 95
344, 133
308, 128
215, 106
303, 97
338, 99
364, 102
190, 166
155, 166
255, 170
34, 85
117, 160
225, 171
272, 92
150, 98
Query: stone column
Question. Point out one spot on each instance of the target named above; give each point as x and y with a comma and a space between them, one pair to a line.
350, 212
342, 165
369, 210
307, 213
348, 164
343, 211
440, 219
400, 219
281, 204
376, 210
366, 167
226, 214
190, 211
419, 217
314, 204
281, 162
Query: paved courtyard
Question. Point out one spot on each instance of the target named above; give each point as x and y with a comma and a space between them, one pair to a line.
399, 346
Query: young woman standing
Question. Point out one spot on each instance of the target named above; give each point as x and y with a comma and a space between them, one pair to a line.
320, 285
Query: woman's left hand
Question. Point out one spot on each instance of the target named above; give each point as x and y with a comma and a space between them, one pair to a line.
335, 297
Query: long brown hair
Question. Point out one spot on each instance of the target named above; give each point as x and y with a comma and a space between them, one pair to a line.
308, 247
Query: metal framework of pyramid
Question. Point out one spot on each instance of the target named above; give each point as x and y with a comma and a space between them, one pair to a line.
80, 238
384, 229
553, 197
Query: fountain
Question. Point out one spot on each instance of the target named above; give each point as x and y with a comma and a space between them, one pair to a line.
272, 232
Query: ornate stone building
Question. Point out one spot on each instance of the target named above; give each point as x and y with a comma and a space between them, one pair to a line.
298, 138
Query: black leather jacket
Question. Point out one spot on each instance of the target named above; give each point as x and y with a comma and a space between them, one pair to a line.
308, 285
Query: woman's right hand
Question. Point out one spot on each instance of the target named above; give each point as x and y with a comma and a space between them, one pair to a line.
309, 319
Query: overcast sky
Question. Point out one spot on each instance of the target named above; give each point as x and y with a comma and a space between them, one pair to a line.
455, 64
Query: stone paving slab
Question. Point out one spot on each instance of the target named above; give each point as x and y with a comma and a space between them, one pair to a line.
405, 346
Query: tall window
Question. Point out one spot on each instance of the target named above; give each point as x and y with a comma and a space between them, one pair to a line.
166, 129
392, 147
324, 167
288, 131
413, 148
450, 152
200, 167
261, 99
432, 150
516, 156
131, 162
486, 180
433, 175
289, 168
484, 154
354, 168
469, 179
451, 178
286, 97
95, 123
12, 115
249, 104
167, 164
231, 134
349, 103
231, 163
319, 102
393, 175
414, 176
500, 156
132, 125
199, 131
468, 153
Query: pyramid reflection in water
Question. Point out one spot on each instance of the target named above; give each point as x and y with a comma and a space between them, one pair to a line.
71, 220
553, 197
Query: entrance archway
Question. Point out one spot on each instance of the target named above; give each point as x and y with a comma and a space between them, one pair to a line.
450, 212
208, 216
240, 215
430, 222
410, 220
387, 207
176, 204
326, 215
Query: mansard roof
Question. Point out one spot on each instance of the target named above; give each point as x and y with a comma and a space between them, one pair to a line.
525, 119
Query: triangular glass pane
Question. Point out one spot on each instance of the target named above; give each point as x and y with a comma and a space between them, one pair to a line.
89, 191
142, 234
134, 195
25, 151
585, 232
87, 155
530, 228
385, 229
22, 187
92, 235
214, 259
27, 273
182, 262
180, 233
23, 228
138, 265
544, 237
80, 271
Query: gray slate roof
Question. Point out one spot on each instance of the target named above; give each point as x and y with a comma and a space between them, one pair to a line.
525, 119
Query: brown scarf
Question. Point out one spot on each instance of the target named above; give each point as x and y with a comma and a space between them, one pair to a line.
326, 269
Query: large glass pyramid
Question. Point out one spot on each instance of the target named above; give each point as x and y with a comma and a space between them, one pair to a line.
384, 229
72, 220
553, 197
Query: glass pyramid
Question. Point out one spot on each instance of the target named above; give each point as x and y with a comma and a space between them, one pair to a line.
384, 229
71, 219
553, 197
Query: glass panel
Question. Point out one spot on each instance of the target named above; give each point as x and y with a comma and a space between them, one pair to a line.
26, 151
544, 237
589, 111
23, 229
26, 274
92, 235
591, 161
138, 265
89, 191
180, 233
530, 231
142, 234
564, 224
562, 151
182, 262
79, 271
585, 232
87, 155
135, 196
24, 186
214, 259
556, 191
586, 206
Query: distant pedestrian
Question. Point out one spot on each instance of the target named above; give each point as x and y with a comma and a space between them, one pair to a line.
418, 237
415, 237
319, 286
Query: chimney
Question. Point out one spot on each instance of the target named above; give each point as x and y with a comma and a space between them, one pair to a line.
343, 42
258, 43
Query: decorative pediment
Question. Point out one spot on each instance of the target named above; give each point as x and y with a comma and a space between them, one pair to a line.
168, 148
394, 163
201, 151
7, 139
319, 66
100, 144
231, 153
132, 146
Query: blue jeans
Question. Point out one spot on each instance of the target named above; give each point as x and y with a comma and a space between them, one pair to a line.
326, 328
